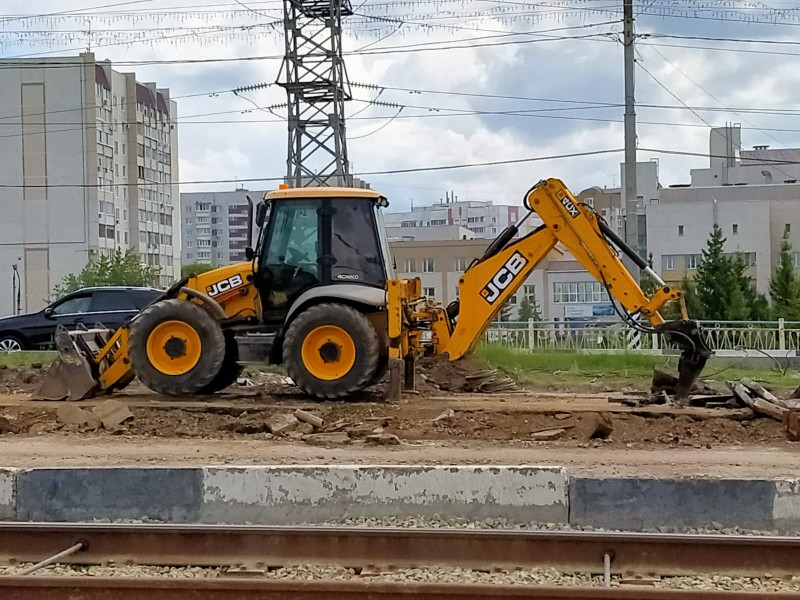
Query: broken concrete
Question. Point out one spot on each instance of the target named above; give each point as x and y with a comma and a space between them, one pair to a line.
282, 423
383, 439
323, 439
311, 419
112, 414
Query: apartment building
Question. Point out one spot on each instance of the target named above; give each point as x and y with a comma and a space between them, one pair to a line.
90, 165
752, 195
214, 226
484, 219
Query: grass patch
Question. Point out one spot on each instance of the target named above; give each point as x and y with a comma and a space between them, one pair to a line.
26, 359
635, 370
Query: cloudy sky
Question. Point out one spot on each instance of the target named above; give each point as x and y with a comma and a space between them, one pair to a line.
450, 82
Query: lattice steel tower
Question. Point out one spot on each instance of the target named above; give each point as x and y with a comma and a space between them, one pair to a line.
316, 89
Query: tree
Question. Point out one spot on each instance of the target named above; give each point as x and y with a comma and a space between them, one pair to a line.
784, 286
120, 268
195, 269
714, 282
529, 309
505, 312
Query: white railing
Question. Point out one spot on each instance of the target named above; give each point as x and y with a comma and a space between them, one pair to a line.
614, 335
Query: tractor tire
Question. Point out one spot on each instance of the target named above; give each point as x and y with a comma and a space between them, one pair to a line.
176, 347
331, 351
229, 371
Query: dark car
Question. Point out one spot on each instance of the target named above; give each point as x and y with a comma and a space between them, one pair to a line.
111, 306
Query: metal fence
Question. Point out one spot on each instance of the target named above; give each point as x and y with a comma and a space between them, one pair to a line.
614, 335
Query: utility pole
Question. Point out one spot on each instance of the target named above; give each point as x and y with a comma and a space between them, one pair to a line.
316, 86
630, 194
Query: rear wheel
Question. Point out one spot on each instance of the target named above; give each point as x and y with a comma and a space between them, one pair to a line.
331, 351
176, 347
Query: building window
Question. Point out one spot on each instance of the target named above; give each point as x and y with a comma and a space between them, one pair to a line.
429, 291
410, 266
438, 222
529, 291
460, 264
579, 292
680, 230
692, 260
735, 229
512, 300
788, 228
409, 224
668, 262
428, 265
796, 259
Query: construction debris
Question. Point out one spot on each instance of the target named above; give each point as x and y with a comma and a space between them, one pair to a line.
792, 422
112, 414
445, 415
70, 414
383, 439
307, 417
282, 423
490, 381
548, 435
757, 405
324, 439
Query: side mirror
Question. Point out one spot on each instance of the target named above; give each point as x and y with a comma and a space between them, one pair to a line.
261, 214
249, 253
49, 312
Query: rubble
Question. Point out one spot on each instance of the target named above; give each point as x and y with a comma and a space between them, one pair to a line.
70, 414
383, 439
7, 426
112, 414
282, 423
323, 439
445, 415
548, 435
313, 420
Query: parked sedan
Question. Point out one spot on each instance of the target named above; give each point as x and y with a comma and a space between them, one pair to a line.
111, 306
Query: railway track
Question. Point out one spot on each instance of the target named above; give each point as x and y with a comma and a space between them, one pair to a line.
242, 554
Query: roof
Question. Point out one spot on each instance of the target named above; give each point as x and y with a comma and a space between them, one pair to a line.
323, 192
766, 156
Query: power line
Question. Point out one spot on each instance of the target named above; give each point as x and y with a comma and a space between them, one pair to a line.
368, 173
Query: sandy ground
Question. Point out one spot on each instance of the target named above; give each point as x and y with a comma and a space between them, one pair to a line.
436, 426
61, 451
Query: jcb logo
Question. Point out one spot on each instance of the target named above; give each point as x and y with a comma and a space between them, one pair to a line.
224, 285
570, 206
503, 278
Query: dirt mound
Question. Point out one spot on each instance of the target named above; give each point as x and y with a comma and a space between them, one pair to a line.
14, 380
438, 373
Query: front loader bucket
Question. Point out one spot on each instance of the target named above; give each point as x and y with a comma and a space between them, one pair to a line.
687, 336
70, 377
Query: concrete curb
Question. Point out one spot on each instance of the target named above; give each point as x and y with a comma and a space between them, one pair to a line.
296, 494
287, 494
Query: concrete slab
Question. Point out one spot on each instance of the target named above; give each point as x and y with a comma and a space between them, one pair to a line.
109, 493
296, 494
786, 506
8, 500
644, 504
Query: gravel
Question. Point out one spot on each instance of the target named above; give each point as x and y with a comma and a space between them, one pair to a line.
437, 522
427, 575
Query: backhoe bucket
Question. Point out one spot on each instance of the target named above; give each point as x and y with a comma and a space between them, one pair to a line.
70, 377
687, 335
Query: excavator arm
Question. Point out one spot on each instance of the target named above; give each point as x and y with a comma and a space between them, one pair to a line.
498, 274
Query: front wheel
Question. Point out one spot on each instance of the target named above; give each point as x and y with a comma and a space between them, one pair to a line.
331, 351
176, 347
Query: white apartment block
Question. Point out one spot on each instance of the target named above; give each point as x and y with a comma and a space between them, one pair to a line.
483, 219
89, 165
214, 226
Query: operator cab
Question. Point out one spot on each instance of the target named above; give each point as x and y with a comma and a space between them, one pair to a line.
319, 236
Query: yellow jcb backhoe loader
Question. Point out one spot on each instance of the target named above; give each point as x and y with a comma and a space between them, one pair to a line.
319, 295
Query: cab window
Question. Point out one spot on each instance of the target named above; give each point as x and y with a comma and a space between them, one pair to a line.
291, 257
354, 243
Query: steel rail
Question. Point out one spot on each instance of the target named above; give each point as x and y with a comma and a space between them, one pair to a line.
265, 547
123, 588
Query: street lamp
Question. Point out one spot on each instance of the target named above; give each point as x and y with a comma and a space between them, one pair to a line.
16, 290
